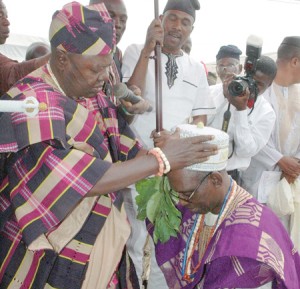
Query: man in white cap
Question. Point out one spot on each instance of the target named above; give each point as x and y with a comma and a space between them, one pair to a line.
226, 238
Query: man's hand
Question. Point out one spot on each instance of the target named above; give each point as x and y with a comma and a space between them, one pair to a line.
155, 33
137, 108
186, 151
290, 179
289, 166
239, 102
159, 138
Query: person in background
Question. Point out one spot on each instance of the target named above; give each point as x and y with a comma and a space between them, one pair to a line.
282, 152
63, 223
11, 70
118, 12
187, 46
249, 122
228, 61
185, 93
36, 50
226, 239
183, 79
212, 78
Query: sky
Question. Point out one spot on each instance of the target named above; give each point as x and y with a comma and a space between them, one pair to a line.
219, 22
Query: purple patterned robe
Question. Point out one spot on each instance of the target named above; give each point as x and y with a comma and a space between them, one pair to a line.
249, 248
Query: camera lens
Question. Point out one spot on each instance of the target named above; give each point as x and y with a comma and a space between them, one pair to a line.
237, 87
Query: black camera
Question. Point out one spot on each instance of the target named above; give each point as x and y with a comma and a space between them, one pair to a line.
241, 83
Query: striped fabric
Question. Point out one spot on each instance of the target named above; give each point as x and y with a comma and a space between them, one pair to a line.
86, 30
47, 178
115, 76
248, 249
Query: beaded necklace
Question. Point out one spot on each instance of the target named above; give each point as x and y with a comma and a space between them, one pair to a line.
54, 79
187, 272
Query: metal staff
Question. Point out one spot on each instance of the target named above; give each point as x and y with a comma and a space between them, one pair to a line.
30, 106
158, 83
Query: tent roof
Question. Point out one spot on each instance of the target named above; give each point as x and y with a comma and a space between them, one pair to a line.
16, 45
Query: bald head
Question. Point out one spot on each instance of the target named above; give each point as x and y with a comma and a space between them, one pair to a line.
37, 49
288, 61
118, 13
289, 48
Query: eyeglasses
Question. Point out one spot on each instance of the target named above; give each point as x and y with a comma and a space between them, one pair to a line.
229, 67
193, 193
200, 183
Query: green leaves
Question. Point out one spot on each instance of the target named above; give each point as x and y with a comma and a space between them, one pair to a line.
156, 201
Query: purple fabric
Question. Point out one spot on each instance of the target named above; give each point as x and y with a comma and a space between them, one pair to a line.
250, 248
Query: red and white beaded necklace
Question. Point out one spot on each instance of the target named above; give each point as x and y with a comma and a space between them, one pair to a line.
187, 271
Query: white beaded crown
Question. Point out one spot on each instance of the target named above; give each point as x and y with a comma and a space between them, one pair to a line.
216, 162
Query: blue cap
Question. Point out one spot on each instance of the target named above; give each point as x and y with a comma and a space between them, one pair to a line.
231, 51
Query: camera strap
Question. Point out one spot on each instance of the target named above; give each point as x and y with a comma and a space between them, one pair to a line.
226, 118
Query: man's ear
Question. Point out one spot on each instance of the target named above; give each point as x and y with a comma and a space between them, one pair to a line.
216, 179
62, 58
295, 61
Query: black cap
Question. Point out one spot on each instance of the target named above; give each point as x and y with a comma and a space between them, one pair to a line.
291, 40
187, 6
231, 51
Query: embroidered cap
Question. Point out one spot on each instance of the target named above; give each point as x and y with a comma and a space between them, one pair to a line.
231, 51
187, 6
216, 162
87, 30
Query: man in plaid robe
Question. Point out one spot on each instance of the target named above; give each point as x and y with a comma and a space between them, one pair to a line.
62, 223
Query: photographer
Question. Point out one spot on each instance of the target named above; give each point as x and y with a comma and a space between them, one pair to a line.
250, 121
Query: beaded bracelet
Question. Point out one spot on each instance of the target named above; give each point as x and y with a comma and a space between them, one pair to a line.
165, 160
159, 160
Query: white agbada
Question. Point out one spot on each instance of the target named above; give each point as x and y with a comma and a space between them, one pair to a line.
249, 131
189, 96
284, 141
285, 137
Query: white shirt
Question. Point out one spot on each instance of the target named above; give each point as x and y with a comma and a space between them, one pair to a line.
189, 96
250, 132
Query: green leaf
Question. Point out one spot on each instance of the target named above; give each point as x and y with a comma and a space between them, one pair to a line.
153, 207
157, 203
163, 232
146, 188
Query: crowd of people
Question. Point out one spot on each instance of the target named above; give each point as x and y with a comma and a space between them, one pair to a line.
68, 174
